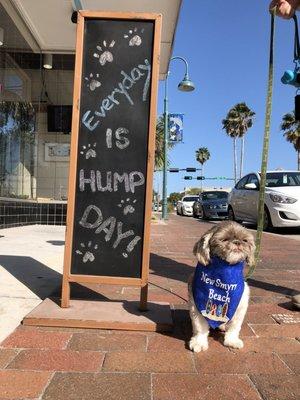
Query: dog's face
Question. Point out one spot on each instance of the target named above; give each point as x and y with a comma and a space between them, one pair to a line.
229, 241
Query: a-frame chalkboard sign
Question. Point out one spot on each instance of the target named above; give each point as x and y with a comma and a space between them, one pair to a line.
112, 150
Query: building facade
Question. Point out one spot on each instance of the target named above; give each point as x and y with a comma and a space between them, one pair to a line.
37, 57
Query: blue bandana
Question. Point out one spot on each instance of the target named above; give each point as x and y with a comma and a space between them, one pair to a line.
217, 290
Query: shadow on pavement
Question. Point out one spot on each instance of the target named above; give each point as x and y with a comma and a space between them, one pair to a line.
42, 280
56, 242
169, 268
271, 287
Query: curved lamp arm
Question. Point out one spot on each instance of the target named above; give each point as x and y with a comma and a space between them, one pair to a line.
186, 64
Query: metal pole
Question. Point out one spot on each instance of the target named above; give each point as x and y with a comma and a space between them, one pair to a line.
166, 129
166, 138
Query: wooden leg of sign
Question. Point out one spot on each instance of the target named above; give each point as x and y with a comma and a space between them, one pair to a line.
65, 295
143, 298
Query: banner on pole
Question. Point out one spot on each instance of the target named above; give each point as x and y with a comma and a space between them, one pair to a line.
175, 128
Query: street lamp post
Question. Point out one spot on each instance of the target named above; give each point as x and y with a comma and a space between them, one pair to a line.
186, 85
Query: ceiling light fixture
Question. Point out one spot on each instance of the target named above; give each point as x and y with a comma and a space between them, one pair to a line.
48, 60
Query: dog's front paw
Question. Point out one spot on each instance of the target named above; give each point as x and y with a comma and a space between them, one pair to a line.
198, 344
235, 343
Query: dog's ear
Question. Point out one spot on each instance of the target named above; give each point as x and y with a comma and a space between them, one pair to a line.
202, 248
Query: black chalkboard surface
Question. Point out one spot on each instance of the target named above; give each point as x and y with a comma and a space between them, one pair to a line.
112, 151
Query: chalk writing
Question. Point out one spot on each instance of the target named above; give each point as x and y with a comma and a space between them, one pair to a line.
121, 141
109, 226
131, 246
112, 148
109, 181
91, 122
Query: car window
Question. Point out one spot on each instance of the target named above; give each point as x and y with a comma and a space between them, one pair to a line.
280, 179
190, 198
253, 179
241, 184
214, 195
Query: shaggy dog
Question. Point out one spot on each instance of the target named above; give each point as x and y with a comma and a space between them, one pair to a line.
218, 295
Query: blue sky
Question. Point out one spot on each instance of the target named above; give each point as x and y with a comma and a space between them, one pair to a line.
227, 46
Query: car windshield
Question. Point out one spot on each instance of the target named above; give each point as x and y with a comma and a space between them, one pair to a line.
280, 179
191, 198
214, 195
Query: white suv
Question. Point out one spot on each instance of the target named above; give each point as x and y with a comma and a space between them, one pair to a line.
282, 199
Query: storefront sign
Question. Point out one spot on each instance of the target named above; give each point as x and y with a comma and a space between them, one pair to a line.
112, 150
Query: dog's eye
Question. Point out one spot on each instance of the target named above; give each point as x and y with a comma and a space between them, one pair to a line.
224, 240
245, 240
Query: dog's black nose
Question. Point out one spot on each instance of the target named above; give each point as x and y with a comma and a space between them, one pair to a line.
237, 241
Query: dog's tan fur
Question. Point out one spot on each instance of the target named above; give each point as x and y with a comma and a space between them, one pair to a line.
232, 243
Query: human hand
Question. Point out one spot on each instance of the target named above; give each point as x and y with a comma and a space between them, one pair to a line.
285, 8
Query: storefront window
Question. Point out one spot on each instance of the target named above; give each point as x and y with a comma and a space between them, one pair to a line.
19, 67
35, 117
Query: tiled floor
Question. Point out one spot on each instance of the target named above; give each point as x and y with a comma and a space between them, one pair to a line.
69, 364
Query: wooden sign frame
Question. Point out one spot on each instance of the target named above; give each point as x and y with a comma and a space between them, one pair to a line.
67, 276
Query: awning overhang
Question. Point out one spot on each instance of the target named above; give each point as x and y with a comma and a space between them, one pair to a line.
47, 25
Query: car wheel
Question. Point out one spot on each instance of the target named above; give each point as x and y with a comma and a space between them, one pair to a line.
202, 213
177, 212
267, 220
231, 215
204, 216
195, 215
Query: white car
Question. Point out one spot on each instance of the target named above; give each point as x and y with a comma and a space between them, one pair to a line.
185, 205
282, 199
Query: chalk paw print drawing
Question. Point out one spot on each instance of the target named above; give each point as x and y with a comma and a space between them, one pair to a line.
133, 36
127, 207
89, 151
93, 82
105, 54
87, 252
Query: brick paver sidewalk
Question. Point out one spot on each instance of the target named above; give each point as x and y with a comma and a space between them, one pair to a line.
54, 364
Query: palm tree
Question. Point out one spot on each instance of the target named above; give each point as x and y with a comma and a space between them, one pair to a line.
237, 122
159, 143
202, 155
291, 131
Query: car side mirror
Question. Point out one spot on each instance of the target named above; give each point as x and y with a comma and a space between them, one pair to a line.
251, 186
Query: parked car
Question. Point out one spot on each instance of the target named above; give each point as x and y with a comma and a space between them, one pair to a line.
282, 199
211, 205
185, 205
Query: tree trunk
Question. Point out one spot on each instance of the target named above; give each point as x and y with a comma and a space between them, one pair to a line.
201, 177
234, 159
242, 157
298, 153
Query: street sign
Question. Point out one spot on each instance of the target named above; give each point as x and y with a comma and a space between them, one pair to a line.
173, 169
200, 178
188, 178
190, 169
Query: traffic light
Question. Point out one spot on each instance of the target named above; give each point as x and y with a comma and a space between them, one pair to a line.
173, 169
190, 169
200, 178
188, 178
